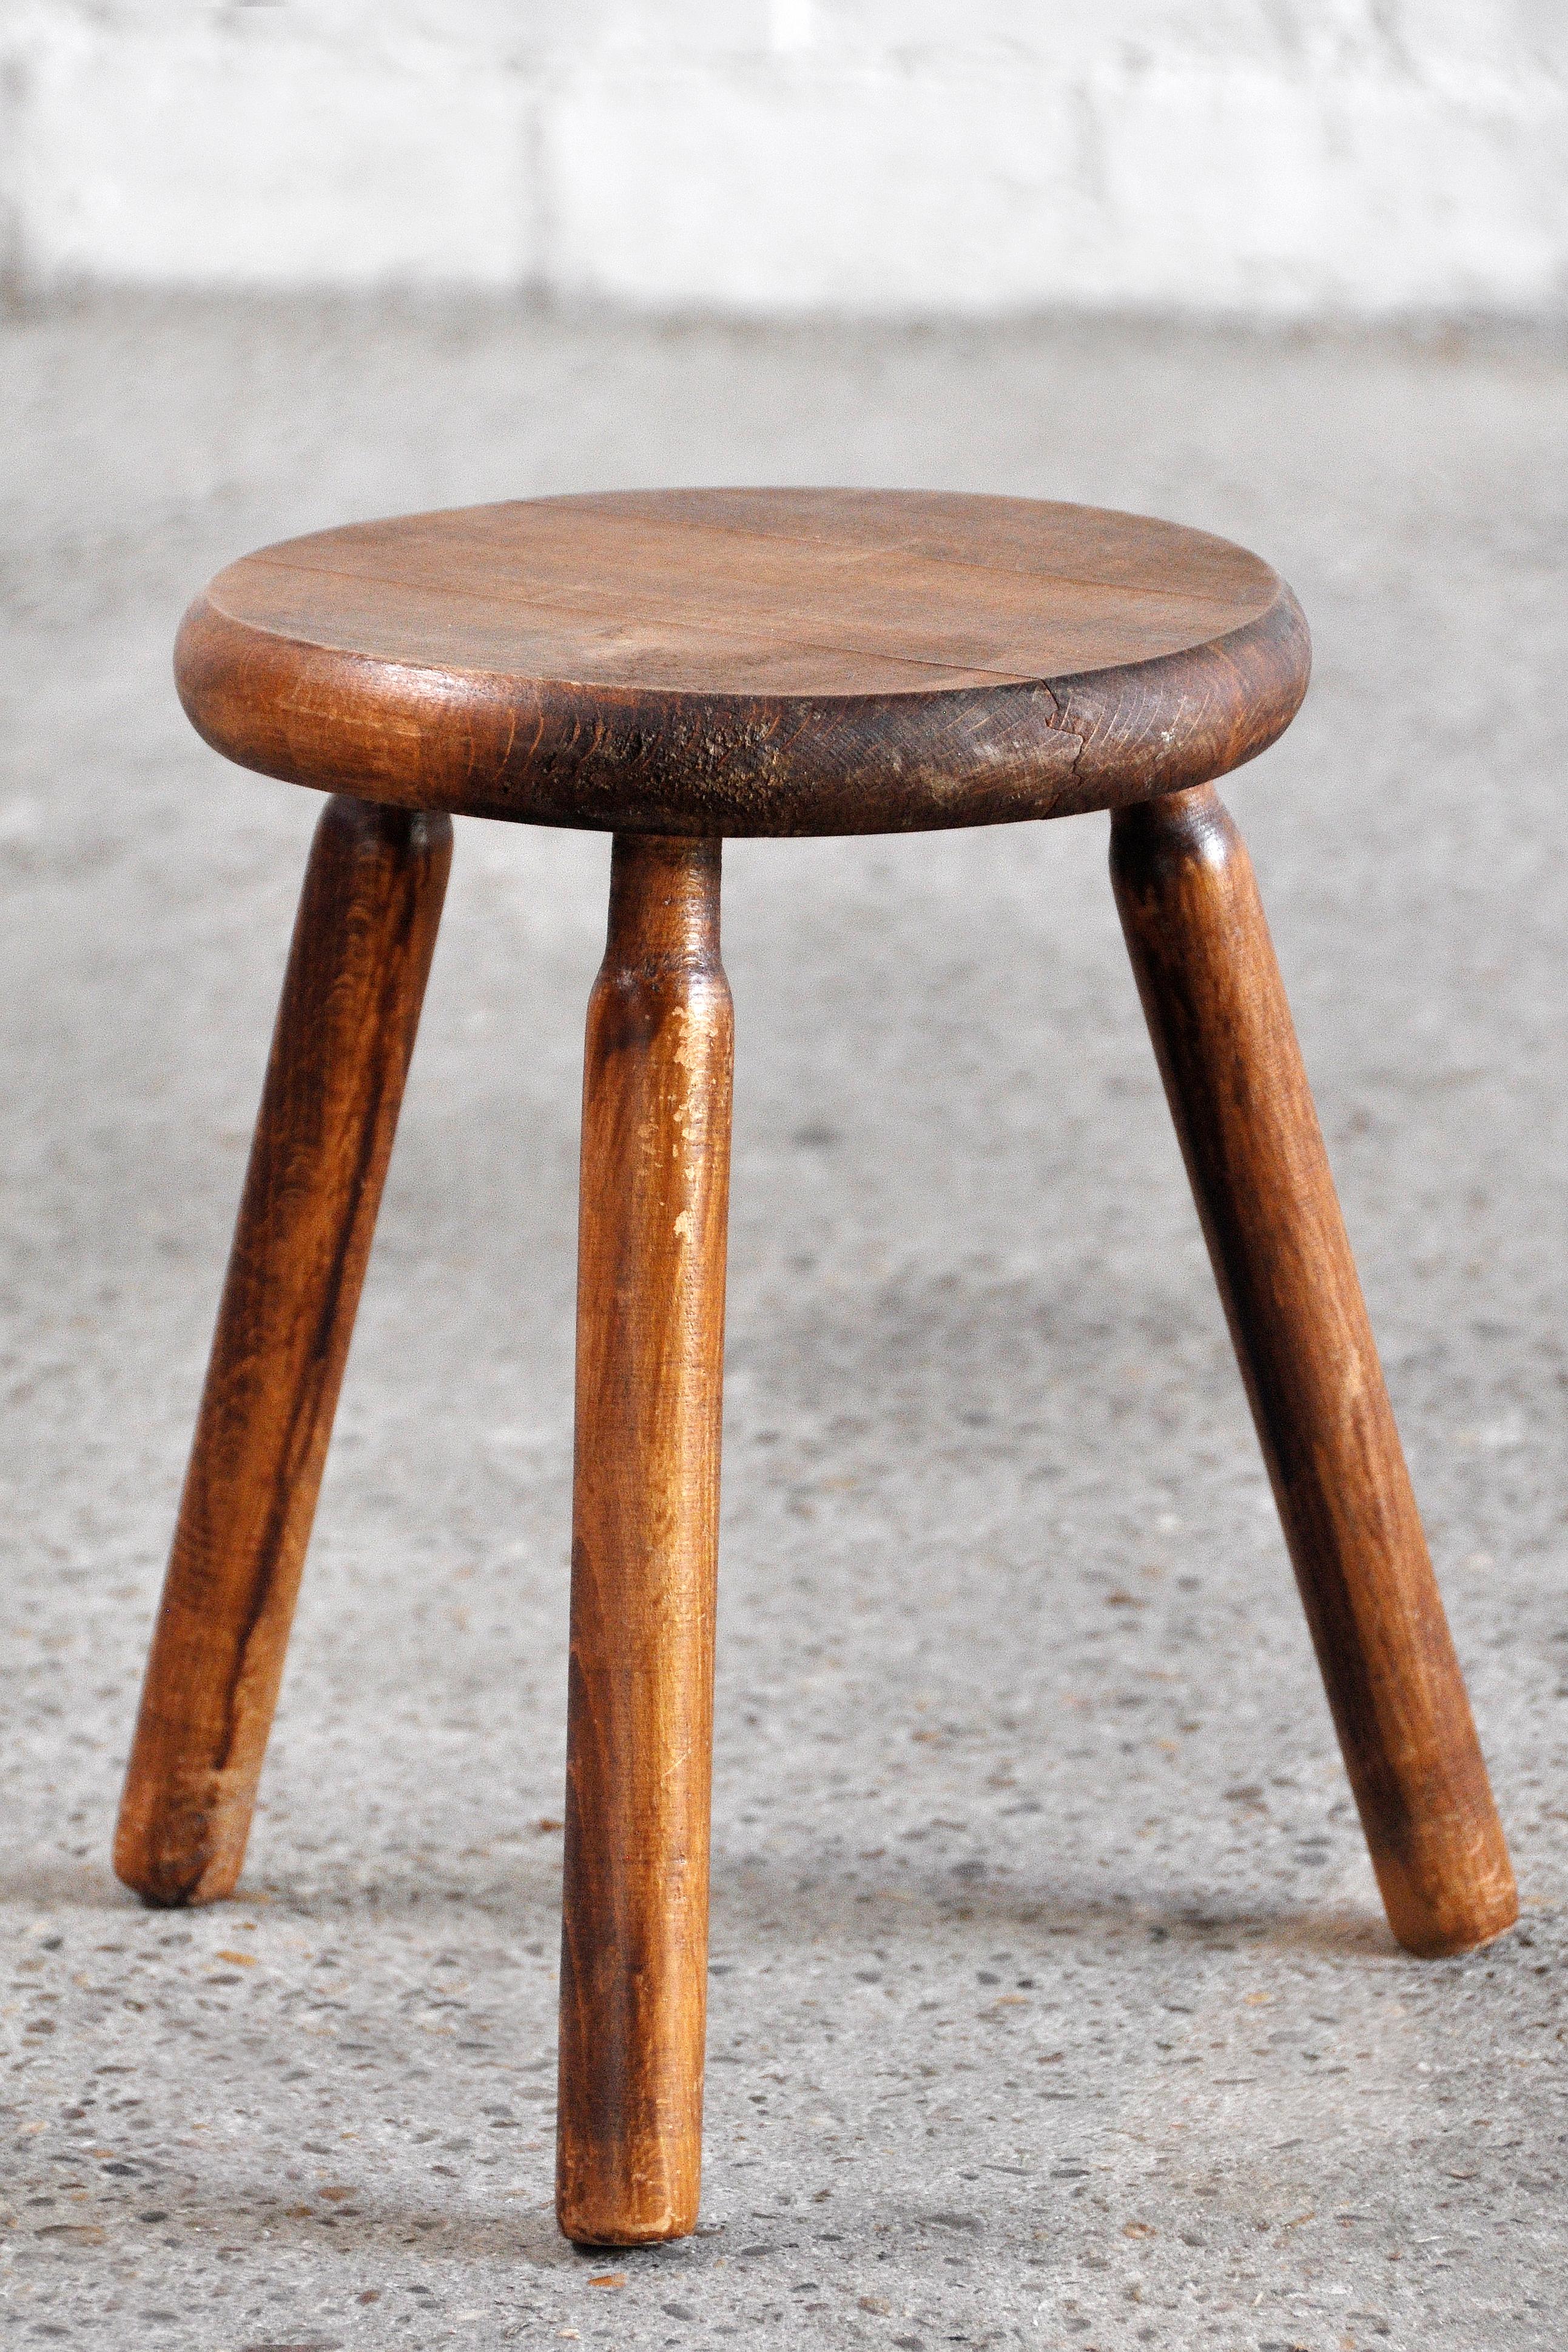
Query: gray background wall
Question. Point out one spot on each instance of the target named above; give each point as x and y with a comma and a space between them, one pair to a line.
1294, 157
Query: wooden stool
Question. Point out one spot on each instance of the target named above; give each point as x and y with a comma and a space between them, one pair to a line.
671, 669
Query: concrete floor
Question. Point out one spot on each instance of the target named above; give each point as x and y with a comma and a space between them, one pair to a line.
1051, 2004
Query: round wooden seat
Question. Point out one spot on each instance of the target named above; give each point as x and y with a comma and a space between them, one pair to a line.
711, 662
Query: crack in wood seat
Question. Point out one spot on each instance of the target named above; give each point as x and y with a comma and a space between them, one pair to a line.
748, 661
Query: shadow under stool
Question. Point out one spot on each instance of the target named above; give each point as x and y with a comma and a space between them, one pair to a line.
671, 668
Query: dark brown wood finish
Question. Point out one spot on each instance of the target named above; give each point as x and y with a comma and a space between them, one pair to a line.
346, 1026
674, 667
712, 662
650, 1357
1232, 1070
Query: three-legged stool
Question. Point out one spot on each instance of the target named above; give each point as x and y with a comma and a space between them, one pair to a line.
671, 669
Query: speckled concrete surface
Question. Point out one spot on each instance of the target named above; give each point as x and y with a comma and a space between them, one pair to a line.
1050, 2001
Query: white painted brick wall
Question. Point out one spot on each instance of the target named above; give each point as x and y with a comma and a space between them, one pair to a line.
905, 156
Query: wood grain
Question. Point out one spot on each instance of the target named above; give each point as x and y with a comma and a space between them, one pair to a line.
650, 1356
712, 662
345, 1031
1232, 1070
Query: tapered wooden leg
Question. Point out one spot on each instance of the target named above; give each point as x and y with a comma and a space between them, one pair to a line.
362, 945
650, 1368
1227, 1053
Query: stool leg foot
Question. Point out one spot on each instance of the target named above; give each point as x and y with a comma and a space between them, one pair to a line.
650, 1361
1232, 1070
362, 945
